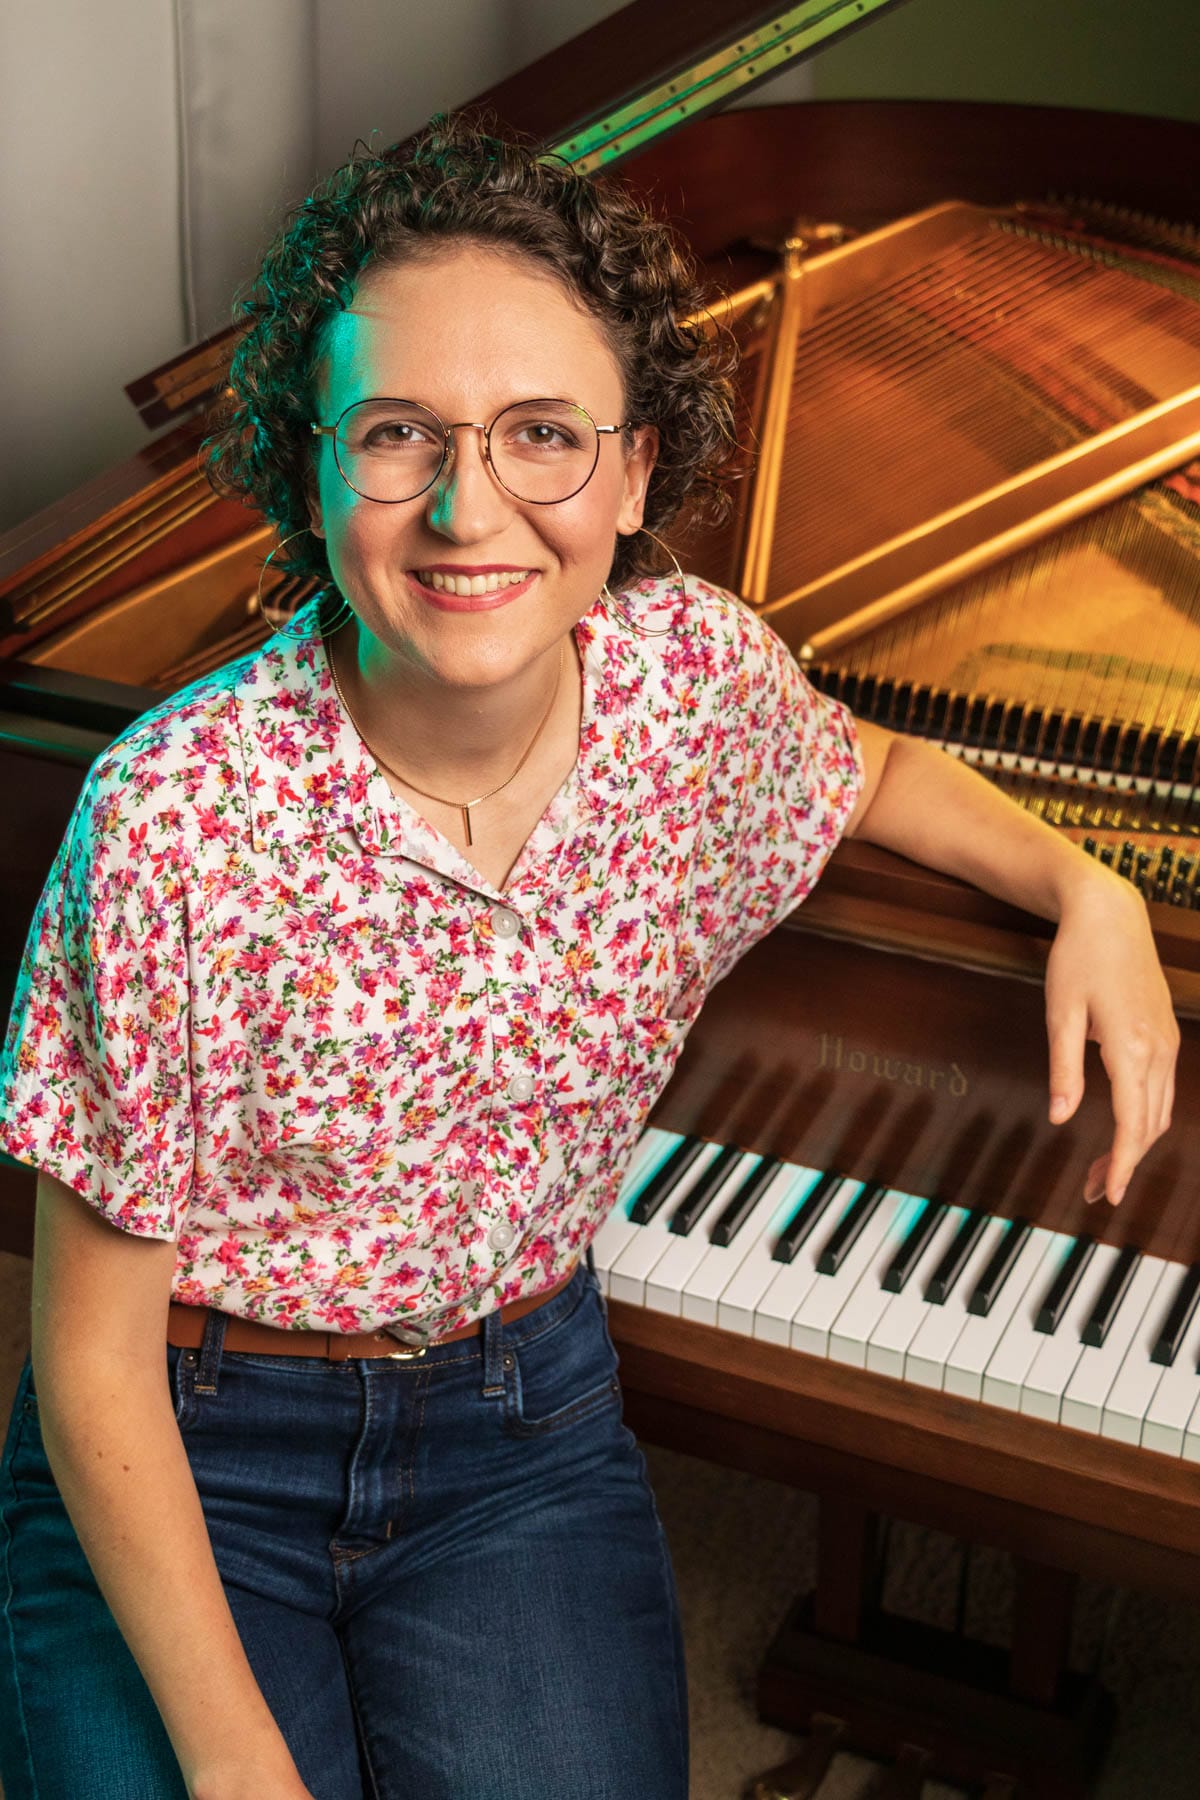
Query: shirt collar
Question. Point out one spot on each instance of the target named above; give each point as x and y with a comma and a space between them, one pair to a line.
308, 774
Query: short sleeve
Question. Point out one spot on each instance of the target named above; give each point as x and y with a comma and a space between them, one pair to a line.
798, 771
94, 1075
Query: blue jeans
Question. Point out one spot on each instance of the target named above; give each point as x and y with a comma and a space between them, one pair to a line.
449, 1576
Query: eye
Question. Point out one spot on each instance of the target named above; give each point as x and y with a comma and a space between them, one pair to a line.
542, 434
396, 434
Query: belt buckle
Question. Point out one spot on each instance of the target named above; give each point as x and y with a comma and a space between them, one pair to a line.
403, 1352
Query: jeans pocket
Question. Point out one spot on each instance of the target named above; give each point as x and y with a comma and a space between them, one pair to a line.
558, 1378
181, 1367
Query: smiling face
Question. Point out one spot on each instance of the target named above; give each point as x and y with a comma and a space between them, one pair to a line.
468, 331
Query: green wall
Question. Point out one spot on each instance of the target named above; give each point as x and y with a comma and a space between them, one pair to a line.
1140, 56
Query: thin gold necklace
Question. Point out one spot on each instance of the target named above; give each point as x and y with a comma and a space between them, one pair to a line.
464, 806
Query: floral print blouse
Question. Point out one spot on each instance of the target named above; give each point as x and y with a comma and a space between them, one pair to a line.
267, 1012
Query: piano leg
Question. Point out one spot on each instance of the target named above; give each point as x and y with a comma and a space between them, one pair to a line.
1041, 1638
921, 1698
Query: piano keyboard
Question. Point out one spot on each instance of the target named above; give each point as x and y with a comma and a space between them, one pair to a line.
1095, 1336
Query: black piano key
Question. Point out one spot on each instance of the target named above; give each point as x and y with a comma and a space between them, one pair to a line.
1063, 1287
745, 1200
941, 1282
914, 1246
663, 1180
1180, 1314
850, 1228
698, 1197
1000, 1267
806, 1216
1111, 1295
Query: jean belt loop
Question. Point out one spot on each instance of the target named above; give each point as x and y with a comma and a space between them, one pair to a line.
492, 1332
210, 1351
591, 1260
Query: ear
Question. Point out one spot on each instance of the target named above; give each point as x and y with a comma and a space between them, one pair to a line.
639, 466
312, 501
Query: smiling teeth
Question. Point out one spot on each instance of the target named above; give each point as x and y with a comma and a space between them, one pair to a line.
466, 585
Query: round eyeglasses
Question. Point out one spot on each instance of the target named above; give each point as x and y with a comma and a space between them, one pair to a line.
540, 451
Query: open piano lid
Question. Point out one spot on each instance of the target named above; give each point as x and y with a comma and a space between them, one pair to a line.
692, 56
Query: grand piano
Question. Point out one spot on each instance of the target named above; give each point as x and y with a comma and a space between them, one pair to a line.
851, 1254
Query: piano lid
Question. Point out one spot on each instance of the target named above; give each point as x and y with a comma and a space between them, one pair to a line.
591, 108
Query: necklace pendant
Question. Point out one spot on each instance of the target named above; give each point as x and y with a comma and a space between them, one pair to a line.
466, 813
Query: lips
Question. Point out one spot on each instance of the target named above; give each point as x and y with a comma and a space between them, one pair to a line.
481, 591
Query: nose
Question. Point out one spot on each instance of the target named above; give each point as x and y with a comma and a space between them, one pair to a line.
467, 503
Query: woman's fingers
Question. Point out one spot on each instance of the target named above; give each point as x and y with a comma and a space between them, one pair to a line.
1067, 1030
1132, 1069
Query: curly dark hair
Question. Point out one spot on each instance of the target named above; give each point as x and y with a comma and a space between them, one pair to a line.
457, 180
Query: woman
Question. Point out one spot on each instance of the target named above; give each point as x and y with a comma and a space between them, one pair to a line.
359, 968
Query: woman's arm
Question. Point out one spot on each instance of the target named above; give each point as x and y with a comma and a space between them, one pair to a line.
100, 1300
1103, 979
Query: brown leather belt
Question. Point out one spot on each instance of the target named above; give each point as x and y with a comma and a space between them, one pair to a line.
185, 1329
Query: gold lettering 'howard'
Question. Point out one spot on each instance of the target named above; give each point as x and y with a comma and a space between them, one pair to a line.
837, 1054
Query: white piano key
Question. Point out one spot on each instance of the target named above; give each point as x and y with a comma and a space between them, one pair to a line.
1019, 1343
1191, 1437
1168, 1407
627, 1275
758, 1233
1058, 1354
790, 1282
1099, 1365
905, 1312
664, 1288
815, 1315
926, 1357
869, 1299
649, 1153
741, 1296
977, 1341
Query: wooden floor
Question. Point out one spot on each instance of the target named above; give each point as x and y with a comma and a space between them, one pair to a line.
743, 1547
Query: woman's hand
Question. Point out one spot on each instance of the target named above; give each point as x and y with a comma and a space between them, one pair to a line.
1103, 981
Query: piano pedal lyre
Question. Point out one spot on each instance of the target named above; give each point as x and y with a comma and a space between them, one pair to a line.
801, 1776
961, 1710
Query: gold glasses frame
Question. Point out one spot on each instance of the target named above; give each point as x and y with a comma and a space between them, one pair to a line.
331, 431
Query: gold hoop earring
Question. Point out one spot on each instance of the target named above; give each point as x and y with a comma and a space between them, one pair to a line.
283, 630
620, 613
